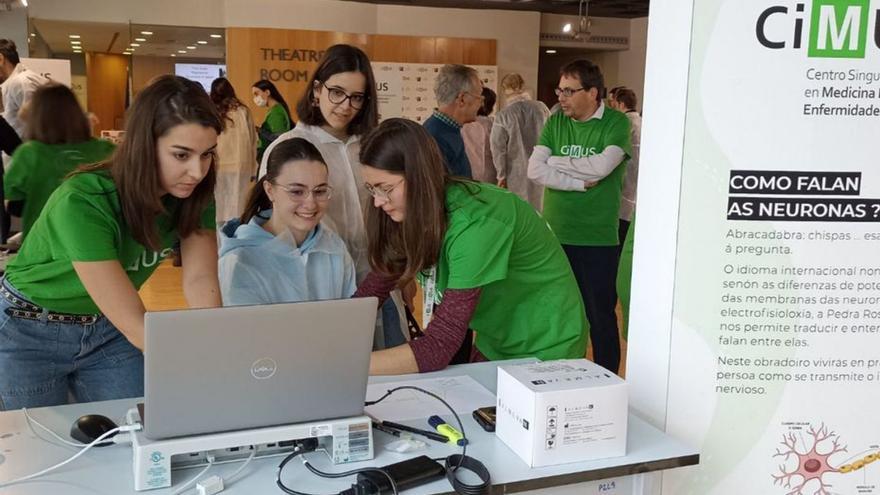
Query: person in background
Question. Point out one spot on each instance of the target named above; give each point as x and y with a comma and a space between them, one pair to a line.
9, 141
279, 251
277, 120
581, 159
625, 100
72, 320
337, 110
59, 140
476, 140
236, 151
459, 94
17, 84
515, 133
513, 89
496, 266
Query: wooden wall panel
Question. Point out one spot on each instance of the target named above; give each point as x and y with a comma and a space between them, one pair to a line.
107, 76
289, 56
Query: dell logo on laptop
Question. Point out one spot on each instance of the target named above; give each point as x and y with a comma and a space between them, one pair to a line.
264, 368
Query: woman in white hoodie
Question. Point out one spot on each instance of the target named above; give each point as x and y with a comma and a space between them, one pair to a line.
279, 251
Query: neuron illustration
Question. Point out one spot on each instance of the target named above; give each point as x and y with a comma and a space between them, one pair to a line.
813, 461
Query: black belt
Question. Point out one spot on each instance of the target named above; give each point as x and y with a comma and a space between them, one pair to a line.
29, 311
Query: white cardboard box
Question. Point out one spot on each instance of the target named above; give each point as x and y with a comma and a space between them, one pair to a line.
556, 412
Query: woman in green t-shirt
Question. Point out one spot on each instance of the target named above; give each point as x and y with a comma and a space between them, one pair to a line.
277, 119
71, 320
59, 140
484, 257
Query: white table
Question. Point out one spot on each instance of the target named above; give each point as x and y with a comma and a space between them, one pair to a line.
107, 470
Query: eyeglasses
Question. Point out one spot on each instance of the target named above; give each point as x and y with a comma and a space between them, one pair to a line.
338, 97
382, 192
299, 194
567, 92
481, 97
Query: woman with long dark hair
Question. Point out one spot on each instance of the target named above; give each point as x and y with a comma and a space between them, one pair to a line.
279, 251
236, 151
337, 110
278, 118
70, 315
59, 140
486, 259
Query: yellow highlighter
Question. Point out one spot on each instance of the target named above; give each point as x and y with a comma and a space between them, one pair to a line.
454, 436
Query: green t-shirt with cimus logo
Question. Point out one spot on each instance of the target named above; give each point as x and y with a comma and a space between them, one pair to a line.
587, 218
82, 221
530, 305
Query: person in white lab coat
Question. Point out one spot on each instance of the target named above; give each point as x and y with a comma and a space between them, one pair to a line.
626, 101
339, 106
476, 140
236, 151
515, 133
17, 84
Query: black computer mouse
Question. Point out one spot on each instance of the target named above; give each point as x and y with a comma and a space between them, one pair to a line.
88, 428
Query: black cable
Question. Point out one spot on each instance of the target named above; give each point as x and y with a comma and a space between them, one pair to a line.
453, 462
323, 474
459, 460
352, 473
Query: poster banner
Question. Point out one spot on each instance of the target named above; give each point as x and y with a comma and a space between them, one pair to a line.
407, 90
774, 366
55, 69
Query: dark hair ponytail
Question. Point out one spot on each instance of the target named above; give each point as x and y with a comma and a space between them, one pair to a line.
265, 85
286, 151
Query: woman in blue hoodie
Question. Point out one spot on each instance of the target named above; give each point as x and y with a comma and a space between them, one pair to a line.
278, 251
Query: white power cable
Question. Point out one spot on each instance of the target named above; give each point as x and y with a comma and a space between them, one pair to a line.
118, 439
85, 449
247, 461
195, 478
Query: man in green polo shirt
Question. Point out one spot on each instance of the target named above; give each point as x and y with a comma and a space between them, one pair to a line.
580, 159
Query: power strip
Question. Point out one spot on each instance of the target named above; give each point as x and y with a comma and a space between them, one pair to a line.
344, 440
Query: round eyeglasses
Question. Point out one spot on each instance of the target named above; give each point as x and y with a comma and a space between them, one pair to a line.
298, 194
337, 97
382, 192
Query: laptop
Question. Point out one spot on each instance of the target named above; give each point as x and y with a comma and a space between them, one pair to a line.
243, 367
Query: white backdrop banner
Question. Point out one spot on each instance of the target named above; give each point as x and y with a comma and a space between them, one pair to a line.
55, 69
774, 338
407, 90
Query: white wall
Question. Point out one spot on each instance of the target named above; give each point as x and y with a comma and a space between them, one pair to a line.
316, 15
631, 63
13, 26
517, 33
200, 13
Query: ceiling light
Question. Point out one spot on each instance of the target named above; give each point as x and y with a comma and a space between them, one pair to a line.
173, 54
75, 42
191, 47
77, 51
135, 44
126, 53
74, 36
140, 39
24, 3
181, 51
202, 42
551, 52
147, 32
566, 28
33, 34
216, 35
